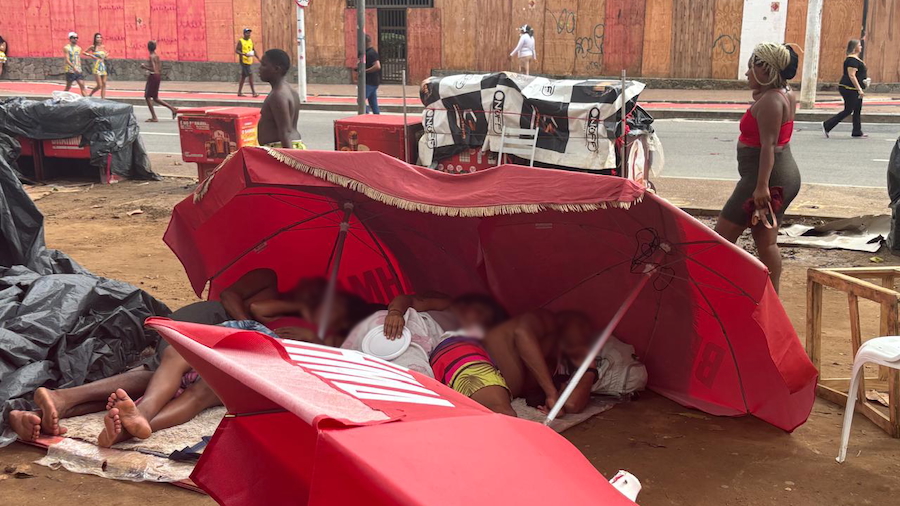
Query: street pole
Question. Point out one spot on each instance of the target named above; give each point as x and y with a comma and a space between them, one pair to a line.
301, 49
361, 48
811, 55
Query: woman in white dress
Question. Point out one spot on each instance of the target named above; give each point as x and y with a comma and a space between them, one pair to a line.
524, 50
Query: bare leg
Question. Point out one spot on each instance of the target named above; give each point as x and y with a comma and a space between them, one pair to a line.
88, 398
188, 405
81, 86
68, 86
167, 106
527, 67
103, 90
496, 399
241, 86
153, 118
252, 88
98, 87
767, 245
26, 424
729, 230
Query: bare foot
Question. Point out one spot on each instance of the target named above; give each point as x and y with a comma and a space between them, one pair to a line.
26, 424
132, 419
241, 95
112, 429
152, 120
174, 113
51, 406
255, 95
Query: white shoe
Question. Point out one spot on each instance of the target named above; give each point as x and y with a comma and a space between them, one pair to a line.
824, 131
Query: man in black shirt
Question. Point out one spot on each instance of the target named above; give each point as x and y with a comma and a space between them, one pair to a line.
373, 76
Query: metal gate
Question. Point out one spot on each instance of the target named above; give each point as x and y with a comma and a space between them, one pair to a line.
392, 44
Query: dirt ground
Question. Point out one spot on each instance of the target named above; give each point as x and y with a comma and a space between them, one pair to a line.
682, 457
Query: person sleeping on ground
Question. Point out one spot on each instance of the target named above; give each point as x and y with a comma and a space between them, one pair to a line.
163, 376
429, 319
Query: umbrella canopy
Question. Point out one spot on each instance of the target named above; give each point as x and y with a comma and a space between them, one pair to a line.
708, 325
321, 426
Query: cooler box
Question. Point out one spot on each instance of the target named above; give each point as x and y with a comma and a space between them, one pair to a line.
379, 132
210, 134
66, 148
470, 160
29, 146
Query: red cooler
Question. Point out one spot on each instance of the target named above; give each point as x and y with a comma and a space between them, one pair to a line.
379, 132
470, 160
67, 148
210, 134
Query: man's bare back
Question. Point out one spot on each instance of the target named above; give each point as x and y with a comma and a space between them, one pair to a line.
520, 348
282, 99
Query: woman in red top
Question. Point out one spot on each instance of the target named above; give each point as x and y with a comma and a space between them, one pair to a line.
764, 156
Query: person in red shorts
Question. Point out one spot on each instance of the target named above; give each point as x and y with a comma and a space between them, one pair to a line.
154, 78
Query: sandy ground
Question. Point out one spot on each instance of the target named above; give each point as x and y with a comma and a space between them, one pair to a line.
682, 457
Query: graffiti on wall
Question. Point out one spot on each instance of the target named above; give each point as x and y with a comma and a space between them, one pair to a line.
589, 48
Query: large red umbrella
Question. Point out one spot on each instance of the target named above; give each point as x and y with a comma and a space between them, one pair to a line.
313, 425
708, 324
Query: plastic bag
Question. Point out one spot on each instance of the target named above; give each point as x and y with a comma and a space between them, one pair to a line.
65, 96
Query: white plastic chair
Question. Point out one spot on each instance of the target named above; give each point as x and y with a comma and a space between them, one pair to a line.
882, 351
520, 142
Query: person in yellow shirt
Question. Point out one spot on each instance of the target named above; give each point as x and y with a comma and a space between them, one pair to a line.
247, 52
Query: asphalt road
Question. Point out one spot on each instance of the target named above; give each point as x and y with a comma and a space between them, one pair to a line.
693, 149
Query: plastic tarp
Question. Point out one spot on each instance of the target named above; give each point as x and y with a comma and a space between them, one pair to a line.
60, 325
109, 128
893, 184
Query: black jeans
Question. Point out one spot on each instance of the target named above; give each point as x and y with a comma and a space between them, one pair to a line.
852, 105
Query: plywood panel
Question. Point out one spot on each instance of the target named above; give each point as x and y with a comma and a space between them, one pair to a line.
692, 26
623, 43
527, 12
590, 34
279, 26
62, 21
492, 36
841, 21
14, 30
883, 41
192, 30
247, 15
795, 31
656, 60
458, 21
558, 41
351, 53
726, 45
325, 33
423, 28
220, 41
87, 20
164, 27
111, 16
137, 28
37, 25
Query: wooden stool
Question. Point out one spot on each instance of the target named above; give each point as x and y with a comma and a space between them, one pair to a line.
853, 282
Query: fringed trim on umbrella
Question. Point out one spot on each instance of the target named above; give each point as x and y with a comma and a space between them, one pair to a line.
204, 186
406, 205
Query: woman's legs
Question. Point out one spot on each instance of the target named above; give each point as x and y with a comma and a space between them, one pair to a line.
729, 230
850, 102
99, 85
103, 88
857, 117
767, 245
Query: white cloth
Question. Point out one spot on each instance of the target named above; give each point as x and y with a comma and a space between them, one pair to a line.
620, 371
525, 47
426, 335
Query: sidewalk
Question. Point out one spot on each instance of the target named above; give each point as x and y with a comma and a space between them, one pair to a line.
663, 103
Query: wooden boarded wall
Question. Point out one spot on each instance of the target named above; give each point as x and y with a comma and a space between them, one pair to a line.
164, 27
111, 16
351, 54
325, 33
37, 26
62, 21
247, 15
492, 36
883, 39
14, 29
458, 20
191, 30
841, 21
692, 29
590, 38
657, 47
137, 29
423, 29
727, 39
279, 26
795, 31
624, 36
526, 12
558, 41
220, 42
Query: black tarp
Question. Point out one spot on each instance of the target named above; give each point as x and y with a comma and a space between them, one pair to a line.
108, 127
893, 185
60, 325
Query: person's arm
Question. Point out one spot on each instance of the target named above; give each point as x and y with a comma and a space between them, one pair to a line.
281, 114
258, 283
394, 322
518, 46
265, 311
239, 50
769, 118
851, 72
582, 393
375, 66
528, 334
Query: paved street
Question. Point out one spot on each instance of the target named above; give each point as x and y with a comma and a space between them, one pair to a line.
693, 149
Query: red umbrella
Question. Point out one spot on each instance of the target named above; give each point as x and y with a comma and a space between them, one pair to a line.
321, 426
708, 324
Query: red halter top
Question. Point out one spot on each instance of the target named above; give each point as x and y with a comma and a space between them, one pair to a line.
750, 130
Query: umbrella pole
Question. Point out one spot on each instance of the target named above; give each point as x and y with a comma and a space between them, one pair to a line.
332, 281
604, 337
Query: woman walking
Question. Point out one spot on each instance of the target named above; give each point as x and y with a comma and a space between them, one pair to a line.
524, 50
852, 87
3, 49
770, 178
97, 51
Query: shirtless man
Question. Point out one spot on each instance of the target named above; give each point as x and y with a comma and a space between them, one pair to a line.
154, 78
281, 109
